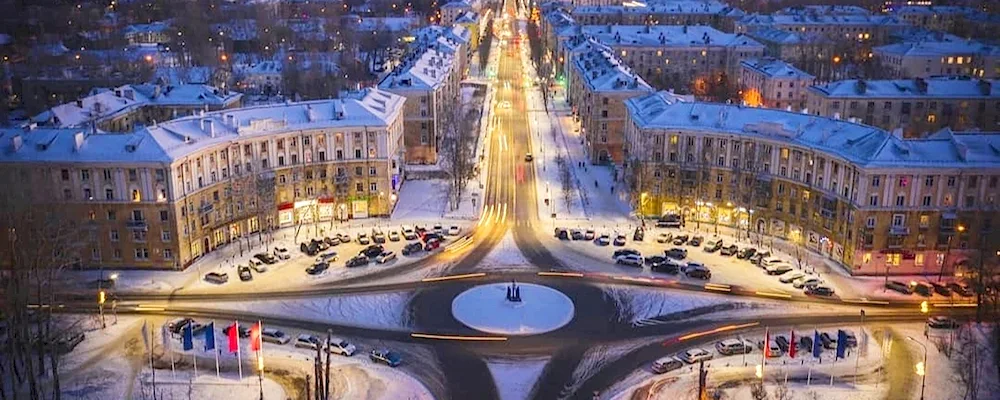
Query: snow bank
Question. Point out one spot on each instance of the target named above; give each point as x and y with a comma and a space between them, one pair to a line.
515, 379
640, 305
382, 310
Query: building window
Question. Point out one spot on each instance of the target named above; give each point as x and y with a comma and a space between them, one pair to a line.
927, 201
136, 196
65, 174
168, 254
67, 194
138, 235
870, 222
116, 254
929, 181
866, 258
113, 235
918, 260
873, 200
898, 220
876, 181
900, 200
112, 215
87, 194
133, 175
893, 259
107, 174
141, 253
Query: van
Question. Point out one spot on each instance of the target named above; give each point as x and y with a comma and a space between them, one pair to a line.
768, 261
732, 346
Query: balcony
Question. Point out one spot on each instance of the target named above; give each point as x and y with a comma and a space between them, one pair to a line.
899, 230
136, 225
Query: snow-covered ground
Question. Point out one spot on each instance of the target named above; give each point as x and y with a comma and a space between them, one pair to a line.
640, 305
948, 351
505, 256
378, 310
515, 379
486, 308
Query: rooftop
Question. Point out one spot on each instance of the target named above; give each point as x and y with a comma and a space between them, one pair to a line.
933, 10
679, 7
781, 36
426, 70
860, 144
773, 67
603, 72
667, 35
946, 46
945, 87
163, 143
824, 10
801, 20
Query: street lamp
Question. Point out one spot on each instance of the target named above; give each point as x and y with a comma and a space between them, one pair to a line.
921, 367
947, 253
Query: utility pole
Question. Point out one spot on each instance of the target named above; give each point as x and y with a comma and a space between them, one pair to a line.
326, 375
702, 380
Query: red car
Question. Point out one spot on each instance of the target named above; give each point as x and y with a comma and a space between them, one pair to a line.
432, 244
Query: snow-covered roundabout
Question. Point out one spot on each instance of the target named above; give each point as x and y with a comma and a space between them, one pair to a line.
513, 309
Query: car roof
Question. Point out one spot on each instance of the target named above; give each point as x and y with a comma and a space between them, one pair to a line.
305, 336
667, 359
730, 341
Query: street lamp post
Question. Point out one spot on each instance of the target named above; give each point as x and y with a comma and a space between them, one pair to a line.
947, 253
921, 367
697, 214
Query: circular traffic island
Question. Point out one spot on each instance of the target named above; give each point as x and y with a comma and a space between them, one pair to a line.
518, 309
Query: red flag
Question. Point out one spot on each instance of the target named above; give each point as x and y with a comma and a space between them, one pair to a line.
767, 343
234, 338
255, 339
791, 346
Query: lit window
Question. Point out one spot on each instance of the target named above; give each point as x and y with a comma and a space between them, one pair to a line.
136, 196
951, 60
960, 60
624, 53
931, 118
867, 258
918, 260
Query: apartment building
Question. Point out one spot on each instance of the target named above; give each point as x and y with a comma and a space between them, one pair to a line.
917, 106
148, 34
797, 47
772, 83
127, 107
684, 58
859, 195
937, 18
864, 29
713, 13
165, 195
945, 55
831, 9
429, 80
598, 87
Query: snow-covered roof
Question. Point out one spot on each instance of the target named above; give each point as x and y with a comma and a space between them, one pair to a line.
812, 19
183, 75
676, 7
824, 10
450, 35
106, 103
938, 48
181, 137
460, 4
424, 71
468, 17
603, 72
237, 29
391, 24
775, 68
934, 10
861, 144
155, 27
667, 35
945, 87
783, 37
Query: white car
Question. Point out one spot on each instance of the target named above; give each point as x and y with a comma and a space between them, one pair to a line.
327, 257
694, 355
804, 282
385, 257
271, 335
282, 253
306, 341
257, 265
340, 346
454, 230
792, 277
634, 260
768, 261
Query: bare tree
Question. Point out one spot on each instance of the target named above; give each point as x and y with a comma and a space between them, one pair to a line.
757, 390
458, 147
263, 203
781, 391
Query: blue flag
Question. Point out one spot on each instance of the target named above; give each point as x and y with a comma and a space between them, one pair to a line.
210, 337
841, 343
188, 337
816, 344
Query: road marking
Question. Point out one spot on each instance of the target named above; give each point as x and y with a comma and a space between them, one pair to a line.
950, 305
718, 286
564, 274
456, 337
454, 277
717, 330
633, 279
865, 301
778, 295
149, 308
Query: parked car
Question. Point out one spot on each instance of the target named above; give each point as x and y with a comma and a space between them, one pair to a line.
729, 250
768, 261
782, 342
696, 241
676, 253
629, 259
432, 244
819, 290
899, 287
329, 256
412, 248
244, 272
357, 261
307, 341
941, 322
331, 241
372, 250
340, 346
961, 289
698, 272
666, 364
309, 248
694, 355
320, 244
378, 237
438, 229
626, 251
575, 234
620, 240
805, 342
828, 341
922, 288
385, 257
669, 221
409, 234
774, 350
317, 268
266, 258
257, 266
667, 267
282, 253
589, 234
271, 335
778, 269
941, 289
386, 357
527, 157
639, 234
664, 237
603, 240
66, 343
364, 239
655, 260
792, 277
393, 236
562, 234
746, 253
806, 282
454, 230
713, 245
680, 239
760, 255
175, 326
241, 331
217, 278
733, 346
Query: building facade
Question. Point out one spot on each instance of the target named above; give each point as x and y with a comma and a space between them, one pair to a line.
947, 56
917, 106
861, 196
772, 83
164, 196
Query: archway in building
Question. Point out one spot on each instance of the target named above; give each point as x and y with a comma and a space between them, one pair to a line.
603, 157
206, 246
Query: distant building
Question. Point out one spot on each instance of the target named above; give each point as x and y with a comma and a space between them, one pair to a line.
832, 9
148, 34
864, 29
714, 13
948, 55
125, 108
168, 194
858, 195
917, 106
772, 83
598, 87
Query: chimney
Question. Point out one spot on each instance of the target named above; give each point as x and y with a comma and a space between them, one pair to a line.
211, 126
118, 93
16, 142
79, 103
77, 141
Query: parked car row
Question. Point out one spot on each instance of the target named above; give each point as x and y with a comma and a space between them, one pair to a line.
927, 289
671, 262
778, 345
334, 346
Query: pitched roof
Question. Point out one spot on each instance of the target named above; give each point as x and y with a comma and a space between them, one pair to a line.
945, 87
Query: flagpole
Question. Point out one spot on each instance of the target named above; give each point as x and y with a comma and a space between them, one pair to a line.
215, 347
152, 345
194, 359
763, 354
239, 357
857, 357
173, 370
